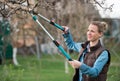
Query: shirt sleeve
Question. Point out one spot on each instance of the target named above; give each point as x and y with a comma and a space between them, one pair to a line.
97, 67
70, 43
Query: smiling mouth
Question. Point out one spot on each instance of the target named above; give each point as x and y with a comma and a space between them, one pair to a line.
88, 36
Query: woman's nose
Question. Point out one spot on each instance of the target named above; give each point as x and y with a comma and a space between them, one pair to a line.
88, 32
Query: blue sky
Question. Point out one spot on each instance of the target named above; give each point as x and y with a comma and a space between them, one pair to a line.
115, 13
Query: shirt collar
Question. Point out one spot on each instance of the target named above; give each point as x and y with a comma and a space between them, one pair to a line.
93, 48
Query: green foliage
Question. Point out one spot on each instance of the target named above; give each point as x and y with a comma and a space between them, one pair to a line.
10, 73
5, 43
4, 28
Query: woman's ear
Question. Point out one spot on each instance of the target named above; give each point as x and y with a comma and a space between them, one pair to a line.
101, 34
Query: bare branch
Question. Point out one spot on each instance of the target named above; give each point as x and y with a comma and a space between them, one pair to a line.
11, 6
101, 4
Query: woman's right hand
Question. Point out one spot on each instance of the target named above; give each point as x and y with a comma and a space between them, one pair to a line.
75, 63
66, 29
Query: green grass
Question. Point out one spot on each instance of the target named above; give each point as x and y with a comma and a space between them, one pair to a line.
48, 68
114, 70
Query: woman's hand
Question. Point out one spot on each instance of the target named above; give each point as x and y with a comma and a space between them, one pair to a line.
65, 29
75, 63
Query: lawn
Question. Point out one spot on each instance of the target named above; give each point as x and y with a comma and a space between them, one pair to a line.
47, 68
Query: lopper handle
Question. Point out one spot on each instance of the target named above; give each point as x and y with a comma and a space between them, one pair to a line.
64, 53
62, 50
51, 22
57, 25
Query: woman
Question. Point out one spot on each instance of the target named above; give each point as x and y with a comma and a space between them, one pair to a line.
94, 60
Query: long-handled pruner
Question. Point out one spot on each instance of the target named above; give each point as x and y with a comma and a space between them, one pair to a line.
54, 41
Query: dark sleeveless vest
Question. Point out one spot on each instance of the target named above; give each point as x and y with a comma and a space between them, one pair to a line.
89, 59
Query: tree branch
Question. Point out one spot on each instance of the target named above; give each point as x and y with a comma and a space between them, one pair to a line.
14, 6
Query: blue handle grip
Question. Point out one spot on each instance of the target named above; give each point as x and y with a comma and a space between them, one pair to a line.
62, 50
58, 26
64, 53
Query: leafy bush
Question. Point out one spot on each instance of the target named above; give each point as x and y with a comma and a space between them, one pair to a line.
10, 73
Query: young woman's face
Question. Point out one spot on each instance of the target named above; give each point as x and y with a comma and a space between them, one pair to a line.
92, 33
